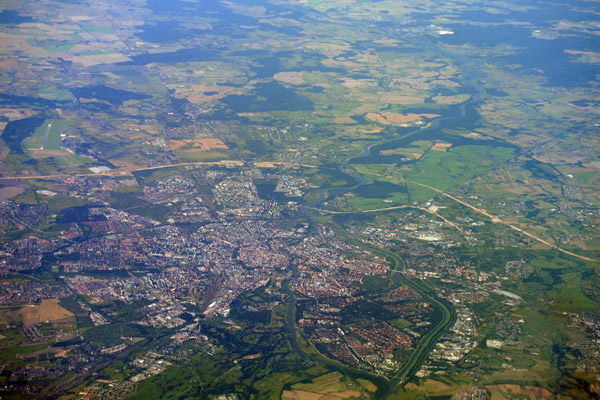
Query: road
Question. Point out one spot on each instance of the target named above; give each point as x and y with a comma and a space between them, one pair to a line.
500, 221
427, 210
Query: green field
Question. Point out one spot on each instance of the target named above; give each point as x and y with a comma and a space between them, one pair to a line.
89, 27
59, 48
403, 177
47, 137
444, 170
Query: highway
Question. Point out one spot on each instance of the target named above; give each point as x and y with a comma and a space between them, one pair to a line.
500, 221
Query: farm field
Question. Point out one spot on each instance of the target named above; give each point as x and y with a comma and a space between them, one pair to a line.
299, 199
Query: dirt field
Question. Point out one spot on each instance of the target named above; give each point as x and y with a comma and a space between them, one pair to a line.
191, 145
326, 387
8, 64
49, 310
90, 61
199, 94
329, 49
300, 395
293, 77
441, 146
387, 118
264, 164
512, 391
354, 83
345, 120
403, 100
9, 192
374, 130
447, 100
348, 394
437, 388
303, 395
16, 113
50, 350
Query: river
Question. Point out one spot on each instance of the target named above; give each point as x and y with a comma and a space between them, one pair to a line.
309, 210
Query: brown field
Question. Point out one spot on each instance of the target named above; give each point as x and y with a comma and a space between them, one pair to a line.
338, 62
509, 391
429, 74
592, 164
368, 106
126, 164
475, 135
354, 83
300, 395
146, 128
446, 100
293, 77
328, 379
441, 146
10, 43
89, 100
16, 113
37, 153
4, 151
193, 145
9, 192
345, 120
444, 82
303, 395
329, 49
374, 130
326, 387
388, 42
49, 310
403, 100
97, 59
9, 64
51, 350
347, 394
406, 152
196, 94
588, 55
264, 164
437, 388
387, 118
